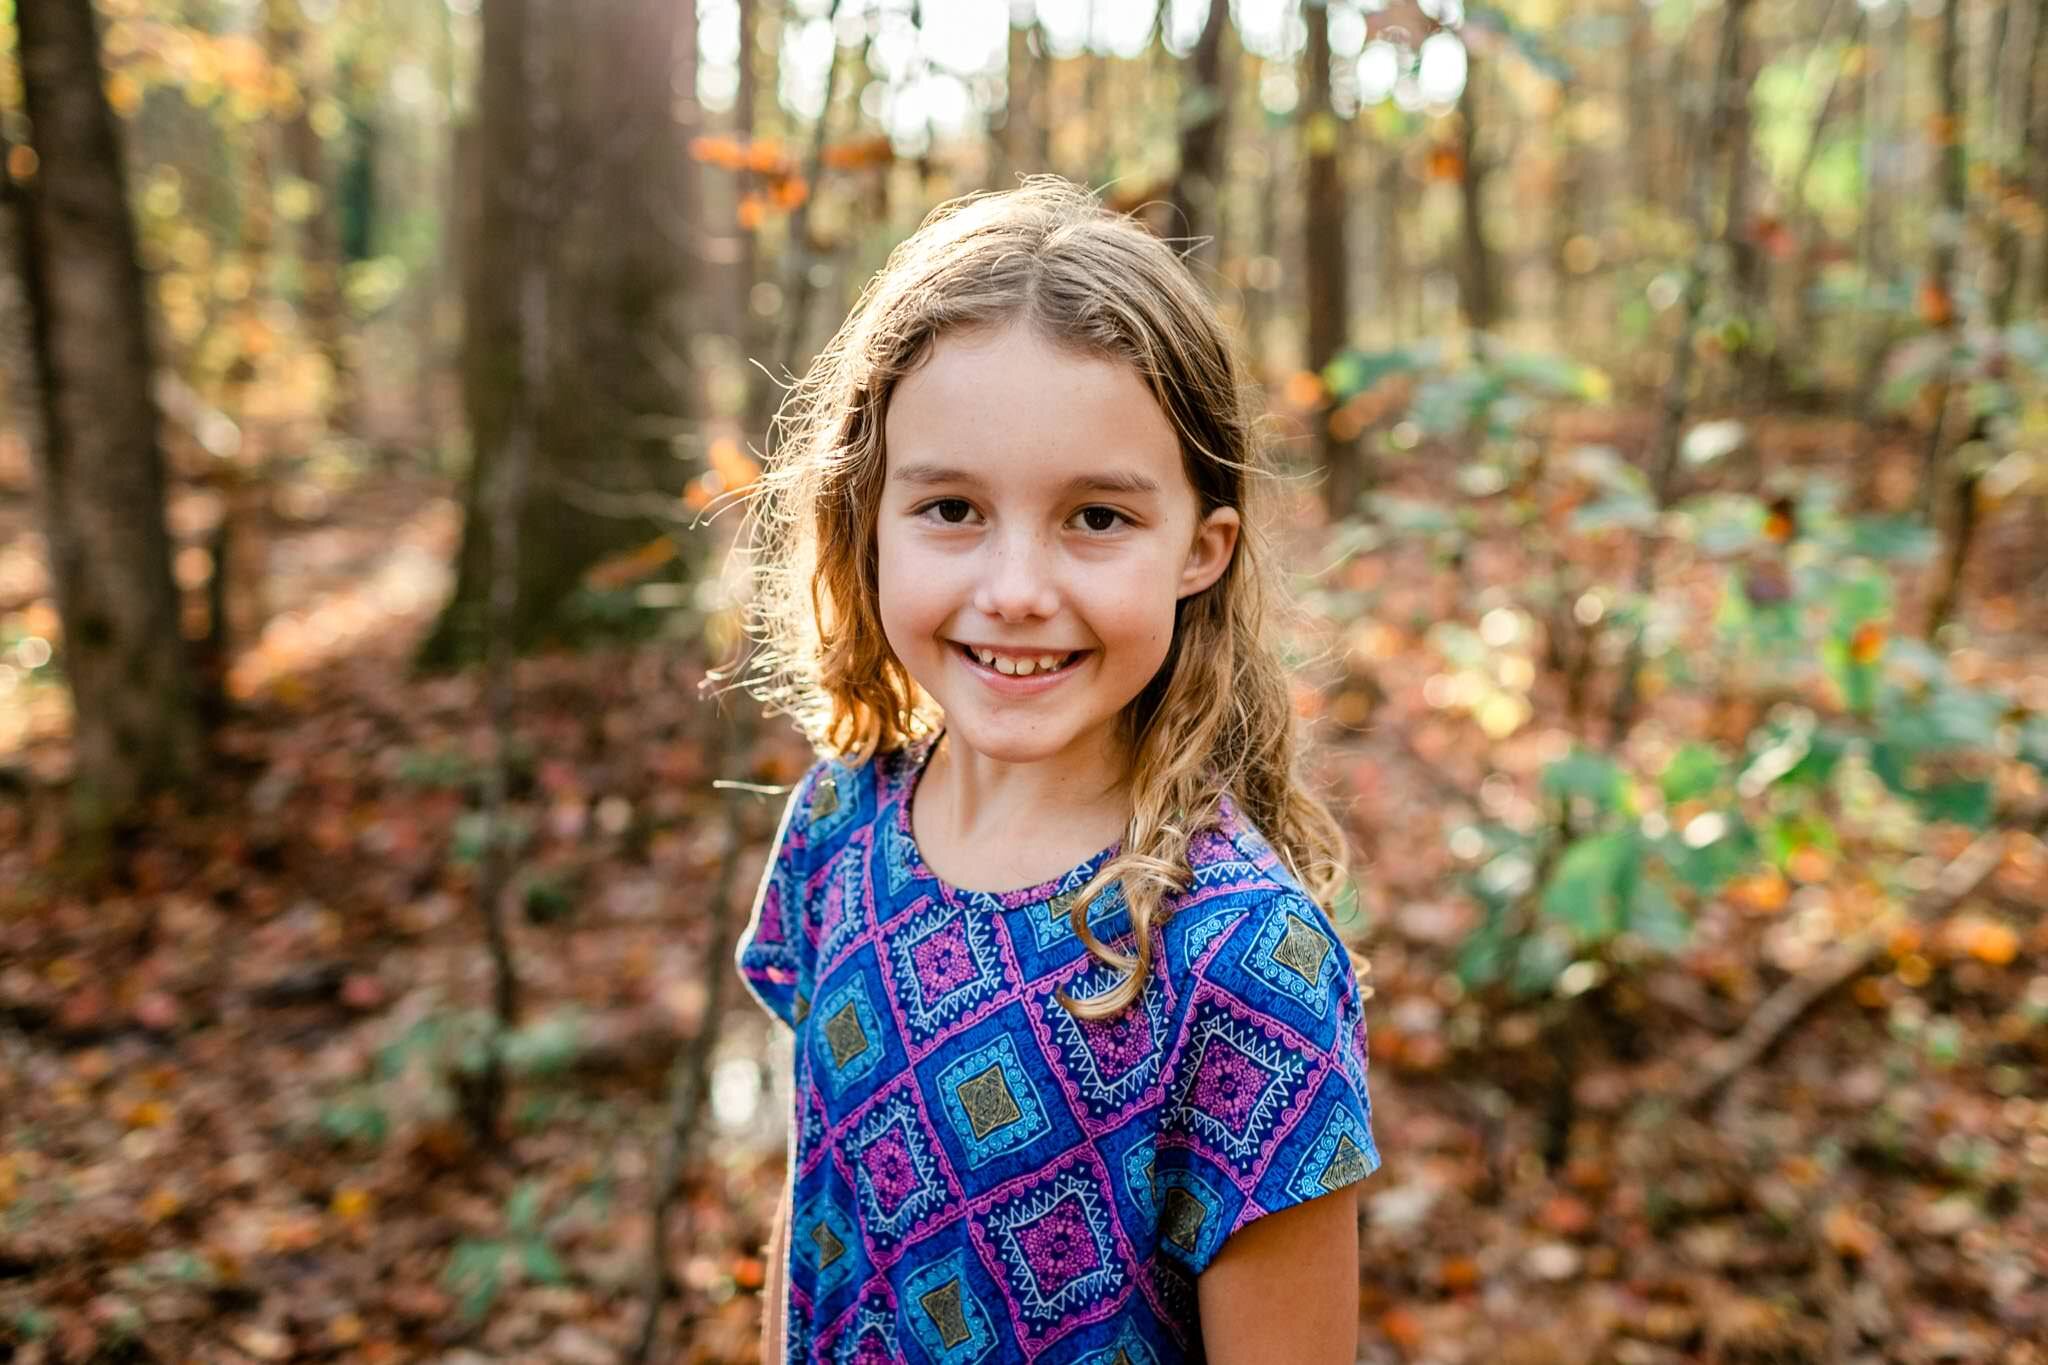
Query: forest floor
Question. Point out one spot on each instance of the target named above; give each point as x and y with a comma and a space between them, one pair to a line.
226, 1132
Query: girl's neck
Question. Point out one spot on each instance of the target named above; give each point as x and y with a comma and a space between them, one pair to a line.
1024, 822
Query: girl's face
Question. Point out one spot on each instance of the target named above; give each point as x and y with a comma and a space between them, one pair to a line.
1035, 531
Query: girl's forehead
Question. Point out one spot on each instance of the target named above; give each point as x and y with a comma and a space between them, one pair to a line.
1013, 410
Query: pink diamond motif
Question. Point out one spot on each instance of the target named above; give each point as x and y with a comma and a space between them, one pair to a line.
1230, 1084
1119, 1043
943, 961
1059, 1246
890, 1170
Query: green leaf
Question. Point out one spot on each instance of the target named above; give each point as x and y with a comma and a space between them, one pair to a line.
1723, 523
1633, 511
2034, 742
1605, 466
522, 1210
1895, 538
1539, 959
1353, 372
541, 1264
1587, 774
1593, 880
1655, 918
1960, 801
547, 1046
1482, 957
1711, 864
1692, 772
1410, 514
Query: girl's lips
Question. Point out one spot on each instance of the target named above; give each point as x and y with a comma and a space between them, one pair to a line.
1030, 685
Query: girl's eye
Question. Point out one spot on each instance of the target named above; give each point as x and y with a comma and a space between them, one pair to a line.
952, 511
1101, 518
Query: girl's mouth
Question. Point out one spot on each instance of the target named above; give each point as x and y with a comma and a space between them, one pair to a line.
1021, 665
1020, 674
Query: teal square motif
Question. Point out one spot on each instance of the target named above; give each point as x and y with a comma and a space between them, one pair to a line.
991, 1102
944, 1317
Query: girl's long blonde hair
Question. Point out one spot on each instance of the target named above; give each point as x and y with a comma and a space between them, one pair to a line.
1217, 717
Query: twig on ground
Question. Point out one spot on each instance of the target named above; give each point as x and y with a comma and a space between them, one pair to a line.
1827, 973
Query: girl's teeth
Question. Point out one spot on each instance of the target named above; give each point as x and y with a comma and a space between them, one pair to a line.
1020, 668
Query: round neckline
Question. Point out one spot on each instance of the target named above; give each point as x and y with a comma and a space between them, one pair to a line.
1073, 877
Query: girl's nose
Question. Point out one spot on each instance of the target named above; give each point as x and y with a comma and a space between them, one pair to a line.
1017, 584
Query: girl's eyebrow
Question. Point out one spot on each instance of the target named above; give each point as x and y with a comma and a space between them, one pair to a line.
1102, 481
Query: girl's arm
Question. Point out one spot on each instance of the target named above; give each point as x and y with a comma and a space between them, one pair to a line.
1285, 1287
773, 1287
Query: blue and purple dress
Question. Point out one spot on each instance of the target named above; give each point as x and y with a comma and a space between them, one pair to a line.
981, 1177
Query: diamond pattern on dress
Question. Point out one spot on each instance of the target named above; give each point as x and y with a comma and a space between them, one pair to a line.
826, 1242
851, 1035
1054, 1242
1111, 1061
1342, 1152
896, 1168
1292, 955
991, 1102
945, 963
944, 1316
1235, 1085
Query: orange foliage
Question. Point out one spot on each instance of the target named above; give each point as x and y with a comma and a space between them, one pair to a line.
1444, 163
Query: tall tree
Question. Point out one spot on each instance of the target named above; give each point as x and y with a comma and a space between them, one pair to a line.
99, 463
1478, 277
1938, 305
1203, 104
606, 220
1327, 274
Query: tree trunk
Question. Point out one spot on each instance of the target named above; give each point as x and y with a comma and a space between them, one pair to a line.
99, 463
1329, 309
1203, 106
607, 224
1938, 292
320, 234
1478, 280
2029, 148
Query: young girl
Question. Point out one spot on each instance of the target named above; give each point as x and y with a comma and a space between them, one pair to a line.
1080, 1063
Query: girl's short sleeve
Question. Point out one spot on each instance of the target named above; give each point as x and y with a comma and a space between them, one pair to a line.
773, 950
1265, 1102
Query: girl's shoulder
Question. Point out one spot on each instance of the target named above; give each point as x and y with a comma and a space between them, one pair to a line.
836, 796
1244, 906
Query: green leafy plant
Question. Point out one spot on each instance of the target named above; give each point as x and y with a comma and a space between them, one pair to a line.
477, 1267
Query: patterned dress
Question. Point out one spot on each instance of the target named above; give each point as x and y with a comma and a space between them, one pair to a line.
980, 1177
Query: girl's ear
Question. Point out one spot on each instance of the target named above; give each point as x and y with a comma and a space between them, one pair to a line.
1209, 556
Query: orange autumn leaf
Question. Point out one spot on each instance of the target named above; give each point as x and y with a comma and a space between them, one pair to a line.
1984, 939
734, 467
766, 157
630, 566
718, 151
789, 191
748, 1272
858, 153
751, 211
1403, 1327
1765, 893
1937, 309
1866, 645
1458, 1274
1445, 163
1783, 522
1849, 1235
1304, 389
